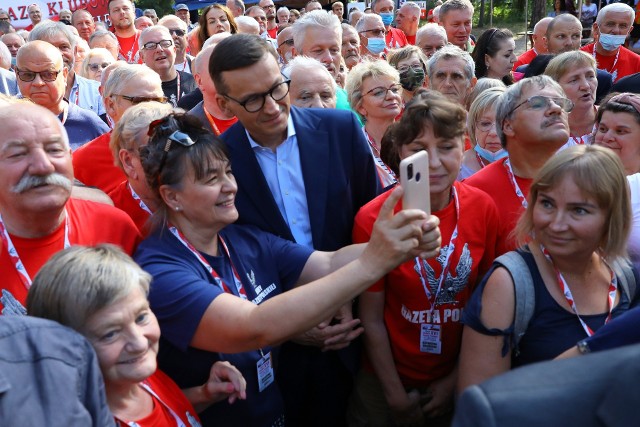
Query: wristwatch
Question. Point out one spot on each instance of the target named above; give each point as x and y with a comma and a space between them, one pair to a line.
583, 347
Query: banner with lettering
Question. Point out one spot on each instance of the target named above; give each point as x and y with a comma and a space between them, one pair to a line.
19, 17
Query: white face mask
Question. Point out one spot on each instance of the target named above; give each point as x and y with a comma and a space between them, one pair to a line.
611, 41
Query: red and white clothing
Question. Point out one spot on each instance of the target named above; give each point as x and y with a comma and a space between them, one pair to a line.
496, 182
525, 58
407, 307
395, 38
411, 39
273, 33
622, 64
168, 403
124, 198
93, 165
129, 49
87, 223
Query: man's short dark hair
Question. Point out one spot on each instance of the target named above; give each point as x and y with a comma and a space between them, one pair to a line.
236, 52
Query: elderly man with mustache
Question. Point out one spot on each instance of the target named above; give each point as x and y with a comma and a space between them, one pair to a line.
38, 217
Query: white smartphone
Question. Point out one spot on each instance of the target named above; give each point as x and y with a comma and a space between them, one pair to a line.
414, 178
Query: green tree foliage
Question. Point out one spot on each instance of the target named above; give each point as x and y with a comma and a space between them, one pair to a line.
162, 7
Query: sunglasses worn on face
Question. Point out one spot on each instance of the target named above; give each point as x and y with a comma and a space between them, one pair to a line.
29, 76
177, 32
96, 67
138, 99
154, 45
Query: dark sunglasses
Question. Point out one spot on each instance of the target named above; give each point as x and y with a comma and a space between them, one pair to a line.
96, 67
29, 76
177, 32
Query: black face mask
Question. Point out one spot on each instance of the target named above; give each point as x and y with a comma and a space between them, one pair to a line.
412, 78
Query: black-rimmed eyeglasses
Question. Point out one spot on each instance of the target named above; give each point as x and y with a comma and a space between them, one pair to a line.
29, 76
254, 103
138, 99
154, 45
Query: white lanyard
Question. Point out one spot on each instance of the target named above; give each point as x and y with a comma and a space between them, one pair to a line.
514, 183
147, 387
135, 196
15, 257
614, 72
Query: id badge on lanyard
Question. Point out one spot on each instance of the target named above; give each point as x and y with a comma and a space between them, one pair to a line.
265, 371
430, 339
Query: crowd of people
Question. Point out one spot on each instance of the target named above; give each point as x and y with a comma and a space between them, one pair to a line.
213, 200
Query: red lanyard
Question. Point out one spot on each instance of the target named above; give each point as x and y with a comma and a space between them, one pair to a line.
241, 292
564, 288
420, 266
514, 183
15, 257
480, 161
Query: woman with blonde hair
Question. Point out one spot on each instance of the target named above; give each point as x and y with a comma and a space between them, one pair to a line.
574, 231
97, 59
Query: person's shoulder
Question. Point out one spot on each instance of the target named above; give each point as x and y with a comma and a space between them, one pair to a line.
486, 177
87, 82
472, 195
369, 212
97, 144
86, 117
326, 115
98, 214
587, 47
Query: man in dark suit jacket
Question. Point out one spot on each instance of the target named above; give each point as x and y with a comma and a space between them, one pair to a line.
595, 390
302, 174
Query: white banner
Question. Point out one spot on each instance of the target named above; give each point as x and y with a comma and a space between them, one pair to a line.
19, 17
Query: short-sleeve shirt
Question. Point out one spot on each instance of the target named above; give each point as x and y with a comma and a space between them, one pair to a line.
406, 306
182, 290
93, 165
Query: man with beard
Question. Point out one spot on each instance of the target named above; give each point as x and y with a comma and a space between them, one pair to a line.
79, 91
42, 77
532, 121
270, 12
178, 30
158, 53
122, 16
37, 215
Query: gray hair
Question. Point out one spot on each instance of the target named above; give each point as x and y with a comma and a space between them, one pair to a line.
452, 52
374, 2
300, 63
79, 281
362, 71
122, 75
147, 30
150, 11
615, 7
133, 126
450, 5
485, 100
101, 33
365, 18
513, 96
431, 28
283, 8
48, 28
239, 4
415, 8
5, 56
317, 18
173, 18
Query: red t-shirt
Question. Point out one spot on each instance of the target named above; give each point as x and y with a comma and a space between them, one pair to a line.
494, 180
90, 223
129, 49
170, 396
628, 62
525, 58
123, 200
406, 306
93, 165
273, 33
411, 39
395, 38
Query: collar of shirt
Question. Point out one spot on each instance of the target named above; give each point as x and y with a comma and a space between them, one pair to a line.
291, 131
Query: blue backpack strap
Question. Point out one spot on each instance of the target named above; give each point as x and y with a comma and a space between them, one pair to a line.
524, 294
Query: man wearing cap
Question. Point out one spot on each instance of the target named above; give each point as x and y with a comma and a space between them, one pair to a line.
182, 12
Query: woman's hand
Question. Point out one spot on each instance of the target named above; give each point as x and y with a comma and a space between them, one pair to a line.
397, 238
225, 382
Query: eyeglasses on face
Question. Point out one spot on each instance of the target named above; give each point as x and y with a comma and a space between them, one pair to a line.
29, 76
540, 102
254, 103
269, 6
154, 45
138, 99
485, 125
381, 92
376, 32
176, 31
288, 42
95, 67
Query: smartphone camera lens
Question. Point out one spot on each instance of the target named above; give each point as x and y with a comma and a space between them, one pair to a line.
410, 171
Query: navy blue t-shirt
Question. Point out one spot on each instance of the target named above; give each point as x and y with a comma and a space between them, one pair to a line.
182, 290
552, 329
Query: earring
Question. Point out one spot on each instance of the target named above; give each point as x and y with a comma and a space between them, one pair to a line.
177, 208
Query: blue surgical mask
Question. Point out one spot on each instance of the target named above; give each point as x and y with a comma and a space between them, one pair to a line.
376, 46
488, 155
14, 61
611, 41
387, 18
